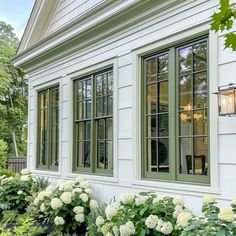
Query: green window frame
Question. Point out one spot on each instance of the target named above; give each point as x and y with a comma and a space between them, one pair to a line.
174, 113
93, 123
48, 129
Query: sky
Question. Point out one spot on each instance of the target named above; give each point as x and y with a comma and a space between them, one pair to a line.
16, 13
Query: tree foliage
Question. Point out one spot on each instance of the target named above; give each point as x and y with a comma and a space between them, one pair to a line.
13, 100
224, 19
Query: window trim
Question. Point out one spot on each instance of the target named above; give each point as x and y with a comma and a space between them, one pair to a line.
93, 170
49, 157
173, 121
154, 45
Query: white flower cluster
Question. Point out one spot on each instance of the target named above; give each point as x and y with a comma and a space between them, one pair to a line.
178, 200
111, 210
226, 214
25, 175
127, 229
127, 198
140, 200
207, 199
59, 220
153, 222
79, 214
183, 219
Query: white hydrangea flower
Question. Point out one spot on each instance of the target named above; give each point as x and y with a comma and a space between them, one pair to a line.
183, 219
76, 190
44, 194
151, 221
59, 220
208, 198
42, 207
178, 200
115, 230
159, 225
89, 191
19, 192
127, 198
84, 197
66, 197
178, 209
100, 221
79, 218
233, 201
56, 203
226, 214
84, 184
80, 179
105, 229
78, 210
127, 229
50, 188
166, 228
111, 210
25, 178
25, 172
139, 200
93, 204
66, 186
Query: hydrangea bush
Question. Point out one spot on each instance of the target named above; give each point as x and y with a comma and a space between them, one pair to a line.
16, 192
213, 221
140, 214
67, 204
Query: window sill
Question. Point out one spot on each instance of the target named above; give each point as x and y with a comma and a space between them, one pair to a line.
94, 178
179, 188
47, 173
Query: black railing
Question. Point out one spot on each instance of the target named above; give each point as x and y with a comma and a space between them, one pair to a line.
16, 164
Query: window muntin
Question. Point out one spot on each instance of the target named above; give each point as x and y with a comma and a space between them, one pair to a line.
48, 140
175, 95
94, 123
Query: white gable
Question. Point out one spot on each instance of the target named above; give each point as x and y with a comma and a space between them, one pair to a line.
69, 10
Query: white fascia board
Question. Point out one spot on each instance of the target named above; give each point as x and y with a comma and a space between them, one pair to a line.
71, 30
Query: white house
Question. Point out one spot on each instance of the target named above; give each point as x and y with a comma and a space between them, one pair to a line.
121, 91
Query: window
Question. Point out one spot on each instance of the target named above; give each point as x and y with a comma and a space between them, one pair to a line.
93, 123
48, 129
174, 113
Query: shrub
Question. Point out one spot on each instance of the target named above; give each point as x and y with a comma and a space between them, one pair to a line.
66, 204
3, 153
41, 183
139, 214
15, 192
213, 221
7, 173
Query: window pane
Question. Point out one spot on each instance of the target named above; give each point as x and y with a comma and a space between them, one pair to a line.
110, 105
79, 91
151, 99
200, 90
185, 90
163, 158
101, 155
200, 156
163, 125
109, 154
109, 129
104, 84
185, 60
200, 56
110, 82
151, 155
88, 89
151, 126
186, 163
101, 129
200, 122
163, 63
88, 108
185, 125
81, 134
151, 70
99, 107
99, 85
88, 130
83, 154
163, 97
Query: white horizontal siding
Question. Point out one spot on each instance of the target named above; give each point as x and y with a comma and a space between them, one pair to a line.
69, 10
120, 46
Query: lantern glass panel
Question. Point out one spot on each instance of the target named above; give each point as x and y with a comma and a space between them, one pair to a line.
227, 102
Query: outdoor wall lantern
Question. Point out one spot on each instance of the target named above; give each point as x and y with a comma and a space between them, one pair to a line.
227, 100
